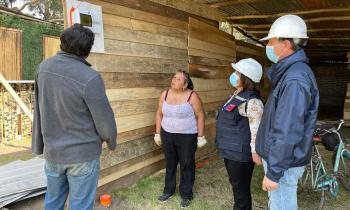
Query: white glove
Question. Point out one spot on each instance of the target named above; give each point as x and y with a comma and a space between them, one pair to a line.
157, 139
201, 141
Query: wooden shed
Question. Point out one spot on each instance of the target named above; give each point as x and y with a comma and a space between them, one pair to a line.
146, 42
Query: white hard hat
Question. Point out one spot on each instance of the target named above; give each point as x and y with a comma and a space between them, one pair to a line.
287, 26
249, 68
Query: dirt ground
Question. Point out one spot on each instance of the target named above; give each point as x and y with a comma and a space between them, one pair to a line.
15, 150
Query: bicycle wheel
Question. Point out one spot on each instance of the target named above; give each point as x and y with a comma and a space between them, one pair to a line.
343, 174
305, 179
305, 186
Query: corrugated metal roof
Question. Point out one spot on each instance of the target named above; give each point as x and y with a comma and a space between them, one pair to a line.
328, 21
21, 179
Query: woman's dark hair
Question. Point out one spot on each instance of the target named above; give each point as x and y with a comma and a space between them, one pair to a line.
77, 40
247, 83
187, 79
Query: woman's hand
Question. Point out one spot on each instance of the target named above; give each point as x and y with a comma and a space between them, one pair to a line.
256, 159
201, 141
157, 139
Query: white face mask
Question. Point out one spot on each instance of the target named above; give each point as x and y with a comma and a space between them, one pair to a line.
271, 55
234, 78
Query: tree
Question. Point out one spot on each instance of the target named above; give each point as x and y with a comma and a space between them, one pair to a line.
7, 3
47, 9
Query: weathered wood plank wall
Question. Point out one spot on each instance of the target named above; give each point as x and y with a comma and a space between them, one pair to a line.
210, 53
142, 51
11, 53
145, 44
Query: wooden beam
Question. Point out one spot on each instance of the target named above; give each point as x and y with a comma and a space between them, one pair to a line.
16, 97
164, 9
327, 39
117, 63
65, 21
129, 35
333, 45
309, 30
232, 2
322, 52
126, 171
140, 25
208, 71
247, 35
189, 6
240, 17
130, 12
144, 50
310, 20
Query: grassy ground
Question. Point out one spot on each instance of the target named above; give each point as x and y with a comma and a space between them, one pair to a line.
212, 191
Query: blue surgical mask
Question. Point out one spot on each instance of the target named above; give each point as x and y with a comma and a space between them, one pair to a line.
271, 55
234, 79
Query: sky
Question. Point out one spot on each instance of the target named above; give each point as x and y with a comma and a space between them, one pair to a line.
19, 3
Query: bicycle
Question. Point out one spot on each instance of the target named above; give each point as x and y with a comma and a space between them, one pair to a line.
333, 140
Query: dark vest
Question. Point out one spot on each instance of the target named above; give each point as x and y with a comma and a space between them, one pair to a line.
232, 129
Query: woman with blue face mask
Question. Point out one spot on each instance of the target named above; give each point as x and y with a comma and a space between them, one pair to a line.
236, 128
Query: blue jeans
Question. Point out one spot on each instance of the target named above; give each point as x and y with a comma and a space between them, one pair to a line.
285, 196
79, 180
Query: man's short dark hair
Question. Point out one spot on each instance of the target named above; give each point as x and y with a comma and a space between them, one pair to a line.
77, 40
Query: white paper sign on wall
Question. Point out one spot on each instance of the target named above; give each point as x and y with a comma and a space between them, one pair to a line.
90, 16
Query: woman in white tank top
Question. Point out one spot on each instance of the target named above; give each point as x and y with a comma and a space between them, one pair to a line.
179, 126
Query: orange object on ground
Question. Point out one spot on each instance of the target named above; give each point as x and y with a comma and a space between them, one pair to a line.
105, 200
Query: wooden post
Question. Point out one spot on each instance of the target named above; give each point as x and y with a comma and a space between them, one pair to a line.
347, 103
65, 13
15, 96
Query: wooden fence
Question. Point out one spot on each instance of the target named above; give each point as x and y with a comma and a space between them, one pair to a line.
11, 53
51, 45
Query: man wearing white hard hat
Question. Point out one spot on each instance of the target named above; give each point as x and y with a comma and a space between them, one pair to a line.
284, 139
236, 127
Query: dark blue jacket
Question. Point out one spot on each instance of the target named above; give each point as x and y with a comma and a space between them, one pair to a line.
284, 138
232, 129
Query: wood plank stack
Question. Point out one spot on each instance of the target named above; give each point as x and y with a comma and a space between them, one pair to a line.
14, 124
347, 105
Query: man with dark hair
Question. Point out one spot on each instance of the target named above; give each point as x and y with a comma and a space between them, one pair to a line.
71, 119
284, 138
